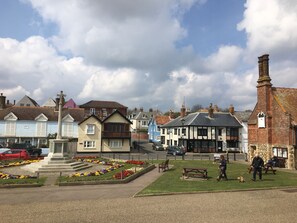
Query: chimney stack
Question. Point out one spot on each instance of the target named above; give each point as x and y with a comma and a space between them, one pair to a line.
2, 101
263, 64
183, 111
210, 111
231, 109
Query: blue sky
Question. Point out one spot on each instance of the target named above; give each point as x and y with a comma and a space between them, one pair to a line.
151, 54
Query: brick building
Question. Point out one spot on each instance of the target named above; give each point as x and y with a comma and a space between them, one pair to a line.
272, 126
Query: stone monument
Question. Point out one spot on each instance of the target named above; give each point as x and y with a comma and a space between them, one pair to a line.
58, 159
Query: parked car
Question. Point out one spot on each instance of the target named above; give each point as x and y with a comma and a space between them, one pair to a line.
9, 154
32, 150
157, 146
175, 150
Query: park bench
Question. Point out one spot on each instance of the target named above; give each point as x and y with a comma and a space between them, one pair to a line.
268, 167
194, 172
164, 165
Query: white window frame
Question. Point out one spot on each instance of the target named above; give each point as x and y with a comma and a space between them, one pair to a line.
90, 129
116, 143
89, 144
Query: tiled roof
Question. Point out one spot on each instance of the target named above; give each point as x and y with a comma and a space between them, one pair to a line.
162, 119
287, 99
242, 116
30, 113
102, 104
219, 119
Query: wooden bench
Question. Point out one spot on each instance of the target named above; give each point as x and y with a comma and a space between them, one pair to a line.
194, 172
164, 165
268, 167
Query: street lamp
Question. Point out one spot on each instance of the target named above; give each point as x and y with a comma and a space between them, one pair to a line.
138, 146
182, 131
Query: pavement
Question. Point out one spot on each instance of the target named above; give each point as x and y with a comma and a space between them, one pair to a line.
116, 203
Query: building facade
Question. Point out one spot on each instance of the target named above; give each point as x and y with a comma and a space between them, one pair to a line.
112, 134
272, 125
203, 132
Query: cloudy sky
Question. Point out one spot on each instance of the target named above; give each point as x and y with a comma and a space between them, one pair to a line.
146, 53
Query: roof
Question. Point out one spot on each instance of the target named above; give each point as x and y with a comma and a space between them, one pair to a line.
102, 104
27, 100
242, 116
70, 104
219, 119
162, 119
287, 99
116, 111
30, 113
49, 103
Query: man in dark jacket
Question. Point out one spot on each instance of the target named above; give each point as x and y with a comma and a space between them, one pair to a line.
257, 165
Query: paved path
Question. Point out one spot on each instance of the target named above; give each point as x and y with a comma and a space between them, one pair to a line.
115, 203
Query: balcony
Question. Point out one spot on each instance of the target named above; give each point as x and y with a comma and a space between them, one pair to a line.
118, 135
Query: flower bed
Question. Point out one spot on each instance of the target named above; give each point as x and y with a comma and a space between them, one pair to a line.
17, 163
135, 162
6, 176
123, 174
113, 166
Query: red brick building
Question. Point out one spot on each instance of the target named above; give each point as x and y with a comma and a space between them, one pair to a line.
272, 126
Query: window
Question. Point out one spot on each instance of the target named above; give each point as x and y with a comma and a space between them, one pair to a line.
232, 132
115, 143
219, 132
163, 131
92, 111
202, 132
90, 129
280, 152
175, 131
144, 123
22, 104
104, 112
89, 144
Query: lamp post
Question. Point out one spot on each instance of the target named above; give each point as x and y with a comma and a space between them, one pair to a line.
138, 146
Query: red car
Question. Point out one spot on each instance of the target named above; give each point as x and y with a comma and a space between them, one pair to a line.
9, 154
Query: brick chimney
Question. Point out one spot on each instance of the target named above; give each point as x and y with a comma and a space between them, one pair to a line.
183, 111
263, 64
231, 109
264, 92
210, 111
2, 101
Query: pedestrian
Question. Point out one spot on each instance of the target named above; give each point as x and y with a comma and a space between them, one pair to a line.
222, 168
257, 165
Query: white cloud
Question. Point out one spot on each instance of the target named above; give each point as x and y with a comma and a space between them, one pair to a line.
271, 27
226, 59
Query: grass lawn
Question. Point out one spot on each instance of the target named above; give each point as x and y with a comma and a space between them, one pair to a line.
36, 181
171, 181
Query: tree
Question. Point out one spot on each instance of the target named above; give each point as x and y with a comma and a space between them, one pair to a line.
196, 108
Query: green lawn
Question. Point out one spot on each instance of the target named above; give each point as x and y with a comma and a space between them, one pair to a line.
171, 182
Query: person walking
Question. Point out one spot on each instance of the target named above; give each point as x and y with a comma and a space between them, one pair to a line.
257, 165
222, 168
